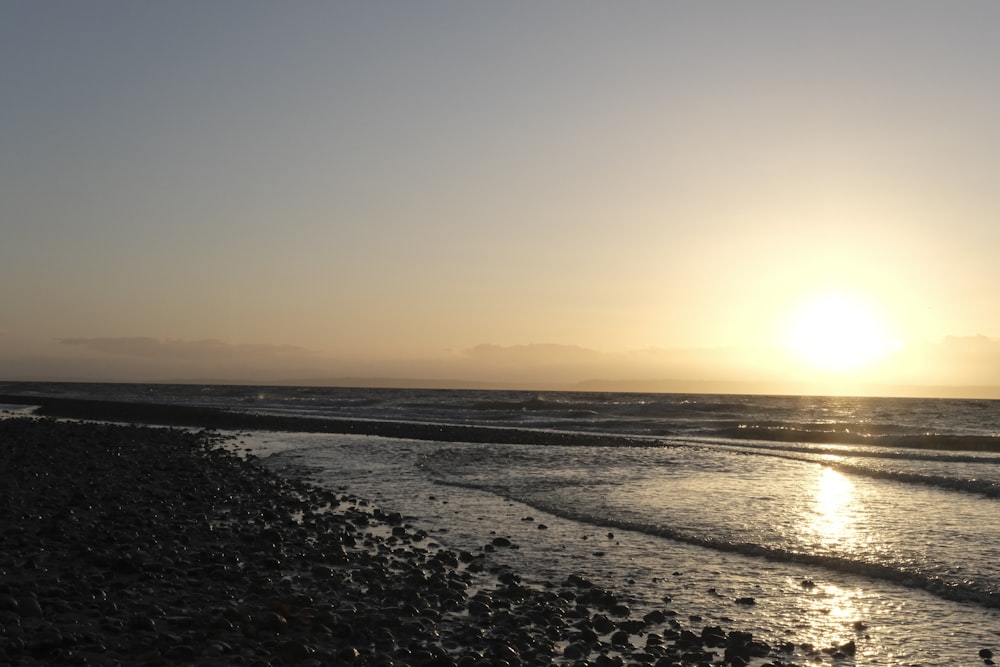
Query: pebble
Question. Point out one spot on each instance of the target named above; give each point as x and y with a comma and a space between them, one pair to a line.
28, 607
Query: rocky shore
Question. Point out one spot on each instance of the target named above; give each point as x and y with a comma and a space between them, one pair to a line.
129, 545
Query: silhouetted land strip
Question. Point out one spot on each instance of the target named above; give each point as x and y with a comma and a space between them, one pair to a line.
212, 418
180, 415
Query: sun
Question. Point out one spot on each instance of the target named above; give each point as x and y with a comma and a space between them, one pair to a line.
838, 332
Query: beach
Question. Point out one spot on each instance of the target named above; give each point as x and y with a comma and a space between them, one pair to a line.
158, 546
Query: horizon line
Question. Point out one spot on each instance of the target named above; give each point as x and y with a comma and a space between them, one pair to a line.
644, 386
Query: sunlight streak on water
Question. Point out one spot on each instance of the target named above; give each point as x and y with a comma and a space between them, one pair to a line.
833, 521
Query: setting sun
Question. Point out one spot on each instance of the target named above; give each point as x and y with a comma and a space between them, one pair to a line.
838, 332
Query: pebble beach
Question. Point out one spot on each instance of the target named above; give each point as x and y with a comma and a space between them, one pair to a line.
135, 545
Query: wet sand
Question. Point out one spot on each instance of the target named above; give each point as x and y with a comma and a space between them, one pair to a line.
151, 546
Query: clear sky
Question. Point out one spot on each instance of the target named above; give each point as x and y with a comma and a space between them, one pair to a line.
512, 192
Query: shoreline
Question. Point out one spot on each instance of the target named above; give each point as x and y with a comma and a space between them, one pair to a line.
219, 419
133, 545
222, 419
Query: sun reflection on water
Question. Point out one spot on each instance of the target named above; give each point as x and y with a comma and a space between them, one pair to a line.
832, 614
833, 624
833, 516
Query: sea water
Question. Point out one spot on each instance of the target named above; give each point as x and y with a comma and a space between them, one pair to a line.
814, 521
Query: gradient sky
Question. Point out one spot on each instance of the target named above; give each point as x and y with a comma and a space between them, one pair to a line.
517, 192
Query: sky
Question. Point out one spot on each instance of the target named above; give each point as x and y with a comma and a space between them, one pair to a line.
519, 194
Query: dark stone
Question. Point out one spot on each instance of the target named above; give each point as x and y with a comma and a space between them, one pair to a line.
619, 638
713, 635
655, 617
633, 627
479, 608
293, 651
620, 609
28, 607
608, 661
181, 653
271, 622
578, 581
602, 624
688, 639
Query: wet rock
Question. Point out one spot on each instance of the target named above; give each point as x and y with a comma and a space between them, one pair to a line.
479, 608
29, 607
633, 627
271, 622
142, 622
687, 639
602, 624
348, 654
619, 638
180, 653
620, 609
713, 635
576, 651
504, 652
655, 617
293, 651
608, 661
842, 650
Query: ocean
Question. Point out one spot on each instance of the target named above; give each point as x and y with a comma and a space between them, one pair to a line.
813, 521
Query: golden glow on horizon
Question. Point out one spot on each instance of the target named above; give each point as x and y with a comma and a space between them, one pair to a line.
838, 332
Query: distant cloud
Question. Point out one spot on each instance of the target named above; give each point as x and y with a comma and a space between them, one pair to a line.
970, 344
955, 360
187, 350
534, 354
929, 368
979, 355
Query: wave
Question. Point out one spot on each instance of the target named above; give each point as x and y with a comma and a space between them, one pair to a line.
984, 487
958, 591
826, 434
